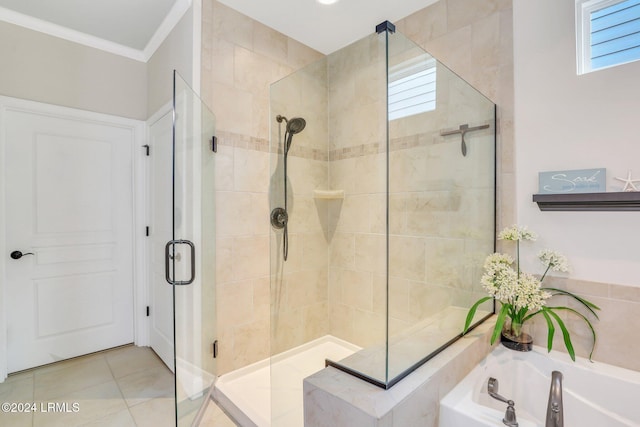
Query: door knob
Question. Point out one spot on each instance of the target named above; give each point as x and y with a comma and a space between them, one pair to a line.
19, 254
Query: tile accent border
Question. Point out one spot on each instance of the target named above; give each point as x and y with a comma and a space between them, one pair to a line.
231, 139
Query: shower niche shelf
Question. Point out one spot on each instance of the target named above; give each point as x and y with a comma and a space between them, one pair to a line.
328, 194
614, 201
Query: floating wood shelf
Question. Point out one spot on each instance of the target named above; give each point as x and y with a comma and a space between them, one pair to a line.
620, 201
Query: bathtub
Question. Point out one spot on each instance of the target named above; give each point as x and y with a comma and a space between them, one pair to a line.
594, 394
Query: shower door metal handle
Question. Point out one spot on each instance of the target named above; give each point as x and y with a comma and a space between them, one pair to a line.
168, 257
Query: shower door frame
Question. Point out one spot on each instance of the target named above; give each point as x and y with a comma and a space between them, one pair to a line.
193, 171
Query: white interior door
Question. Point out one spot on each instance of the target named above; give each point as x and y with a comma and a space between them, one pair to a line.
69, 201
160, 232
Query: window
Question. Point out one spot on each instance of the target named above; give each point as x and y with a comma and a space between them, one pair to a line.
608, 33
412, 87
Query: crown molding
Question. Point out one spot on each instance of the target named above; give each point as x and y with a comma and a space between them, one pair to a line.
173, 17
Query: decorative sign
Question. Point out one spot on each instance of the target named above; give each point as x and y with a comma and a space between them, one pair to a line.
574, 181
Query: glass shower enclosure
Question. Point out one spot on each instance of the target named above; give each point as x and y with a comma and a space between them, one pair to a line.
390, 212
190, 253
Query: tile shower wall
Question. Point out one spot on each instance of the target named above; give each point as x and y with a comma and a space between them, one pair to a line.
475, 40
240, 59
357, 153
299, 285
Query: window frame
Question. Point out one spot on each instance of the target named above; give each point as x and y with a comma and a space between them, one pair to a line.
408, 69
584, 8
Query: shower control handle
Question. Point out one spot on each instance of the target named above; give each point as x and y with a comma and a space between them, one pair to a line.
279, 218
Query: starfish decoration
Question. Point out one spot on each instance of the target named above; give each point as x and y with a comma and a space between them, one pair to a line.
629, 183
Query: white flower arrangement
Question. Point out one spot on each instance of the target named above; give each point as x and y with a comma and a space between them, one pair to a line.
522, 296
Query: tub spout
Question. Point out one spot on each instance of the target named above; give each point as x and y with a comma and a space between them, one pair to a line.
555, 414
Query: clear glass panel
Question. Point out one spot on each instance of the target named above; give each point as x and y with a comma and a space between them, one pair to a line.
358, 164
387, 222
192, 256
441, 207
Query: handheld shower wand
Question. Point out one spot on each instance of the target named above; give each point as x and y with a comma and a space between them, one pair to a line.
280, 216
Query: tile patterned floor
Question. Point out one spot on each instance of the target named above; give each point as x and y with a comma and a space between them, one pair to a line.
124, 387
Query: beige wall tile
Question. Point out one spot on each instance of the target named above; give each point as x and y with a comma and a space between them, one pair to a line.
232, 209
232, 26
426, 24
354, 214
407, 257
315, 251
235, 302
250, 257
224, 168
232, 116
371, 253
461, 13
251, 342
222, 53
251, 170
316, 321
305, 288
270, 43
224, 258
357, 289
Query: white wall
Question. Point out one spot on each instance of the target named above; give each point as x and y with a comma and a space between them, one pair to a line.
565, 121
177, 52
48, 69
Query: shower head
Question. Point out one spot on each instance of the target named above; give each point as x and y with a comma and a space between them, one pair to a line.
296, 125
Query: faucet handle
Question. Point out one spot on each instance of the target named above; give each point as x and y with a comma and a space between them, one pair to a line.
510, 416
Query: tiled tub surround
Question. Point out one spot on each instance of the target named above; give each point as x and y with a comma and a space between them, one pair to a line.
415, 399
618, 330
593, 394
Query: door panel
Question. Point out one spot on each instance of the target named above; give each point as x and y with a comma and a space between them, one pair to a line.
161, 231
69, 201
193, 224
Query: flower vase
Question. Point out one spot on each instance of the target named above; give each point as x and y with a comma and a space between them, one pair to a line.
516, 336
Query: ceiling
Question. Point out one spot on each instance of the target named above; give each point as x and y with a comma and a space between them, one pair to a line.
326, 28
133, 24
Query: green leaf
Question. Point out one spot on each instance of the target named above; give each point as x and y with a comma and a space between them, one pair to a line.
552, 330
565, 333
588, 304
593, 331
472, 312
502, 316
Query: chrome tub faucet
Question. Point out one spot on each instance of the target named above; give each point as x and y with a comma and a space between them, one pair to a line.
555, 414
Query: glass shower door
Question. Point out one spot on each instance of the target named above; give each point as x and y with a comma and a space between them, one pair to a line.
190, 257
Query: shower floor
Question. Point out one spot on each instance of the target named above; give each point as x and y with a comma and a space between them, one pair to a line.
250, 394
